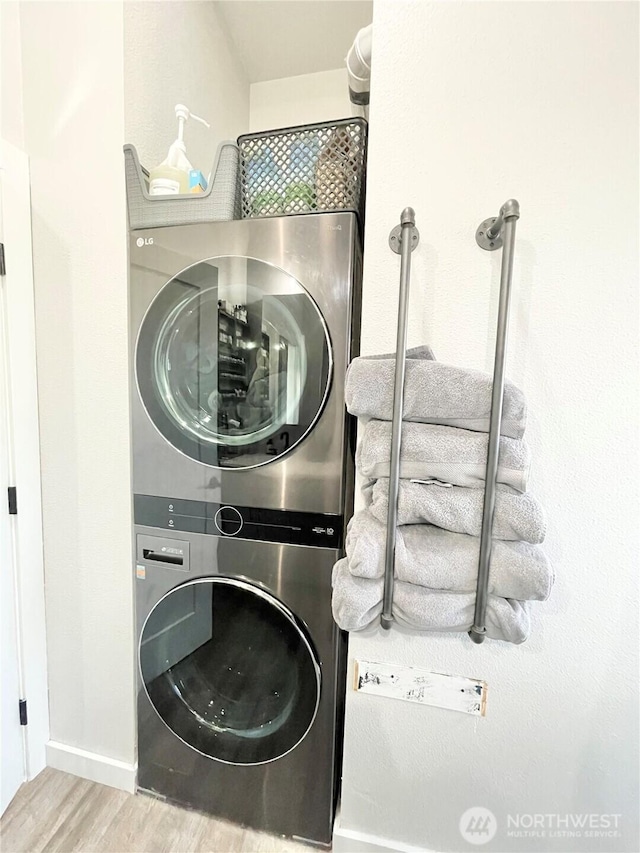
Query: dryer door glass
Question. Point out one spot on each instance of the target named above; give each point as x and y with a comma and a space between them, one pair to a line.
233, 362
230, 670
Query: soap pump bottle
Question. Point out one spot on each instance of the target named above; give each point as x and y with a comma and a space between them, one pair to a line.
172, 175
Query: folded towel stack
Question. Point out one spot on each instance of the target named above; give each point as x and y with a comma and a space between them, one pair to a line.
440, 502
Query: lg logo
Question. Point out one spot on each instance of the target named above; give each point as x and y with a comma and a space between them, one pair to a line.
144, 241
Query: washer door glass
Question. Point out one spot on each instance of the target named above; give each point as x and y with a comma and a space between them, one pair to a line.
230, 670
233, 362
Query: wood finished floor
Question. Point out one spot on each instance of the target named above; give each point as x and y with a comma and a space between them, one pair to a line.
59, 813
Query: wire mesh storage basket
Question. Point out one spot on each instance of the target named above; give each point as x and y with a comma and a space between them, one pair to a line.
314, 168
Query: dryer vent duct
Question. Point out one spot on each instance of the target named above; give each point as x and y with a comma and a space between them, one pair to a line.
359, 71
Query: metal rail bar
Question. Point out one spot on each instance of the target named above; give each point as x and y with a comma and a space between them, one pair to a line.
403, 240
491, 237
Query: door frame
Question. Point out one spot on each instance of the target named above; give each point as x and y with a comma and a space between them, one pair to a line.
24, 450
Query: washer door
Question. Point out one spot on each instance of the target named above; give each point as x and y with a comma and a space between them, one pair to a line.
233, 362
230, 670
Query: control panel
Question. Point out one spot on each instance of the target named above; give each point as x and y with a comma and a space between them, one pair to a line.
267, 525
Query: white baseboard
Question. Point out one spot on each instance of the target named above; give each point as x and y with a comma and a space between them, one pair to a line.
90, 765
350, 841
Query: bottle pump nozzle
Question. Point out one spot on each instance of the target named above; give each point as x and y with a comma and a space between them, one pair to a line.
183, 114
173, 175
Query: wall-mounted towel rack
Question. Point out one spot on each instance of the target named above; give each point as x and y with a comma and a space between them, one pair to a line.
492, 234
403, 239
495, 233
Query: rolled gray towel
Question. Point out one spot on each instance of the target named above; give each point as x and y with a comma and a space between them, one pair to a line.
440, 560
357, 603
434, 393
457, 456
456, 508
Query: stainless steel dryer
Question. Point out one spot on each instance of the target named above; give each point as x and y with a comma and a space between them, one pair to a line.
242, 477
242, 333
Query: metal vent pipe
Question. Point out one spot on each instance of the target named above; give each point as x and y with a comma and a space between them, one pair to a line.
359, 70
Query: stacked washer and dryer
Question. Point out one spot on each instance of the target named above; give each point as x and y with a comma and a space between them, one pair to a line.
243, 483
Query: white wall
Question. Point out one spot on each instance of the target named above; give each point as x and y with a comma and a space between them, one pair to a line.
11, 117
304, 99
473, 103
178, 53
72, 56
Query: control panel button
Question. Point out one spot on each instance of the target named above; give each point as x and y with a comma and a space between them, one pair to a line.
228, 521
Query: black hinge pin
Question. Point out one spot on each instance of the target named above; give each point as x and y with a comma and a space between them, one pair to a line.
22, 705
3, 266
12, 500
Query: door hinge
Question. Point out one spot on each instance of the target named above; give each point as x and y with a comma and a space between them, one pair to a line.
22, 705
3, 266
12, 499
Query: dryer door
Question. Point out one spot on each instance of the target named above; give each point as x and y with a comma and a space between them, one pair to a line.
246, 690
233, 362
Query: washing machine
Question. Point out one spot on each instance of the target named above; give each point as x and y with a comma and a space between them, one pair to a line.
242, 485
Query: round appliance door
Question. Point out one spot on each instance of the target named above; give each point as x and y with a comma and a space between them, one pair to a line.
230, 670
233, 362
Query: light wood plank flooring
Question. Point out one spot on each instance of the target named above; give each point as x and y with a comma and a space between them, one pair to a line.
59, 813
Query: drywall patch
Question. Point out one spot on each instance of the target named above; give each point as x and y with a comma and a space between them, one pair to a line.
454, 692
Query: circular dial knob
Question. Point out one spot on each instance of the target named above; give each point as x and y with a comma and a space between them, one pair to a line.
228, 521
